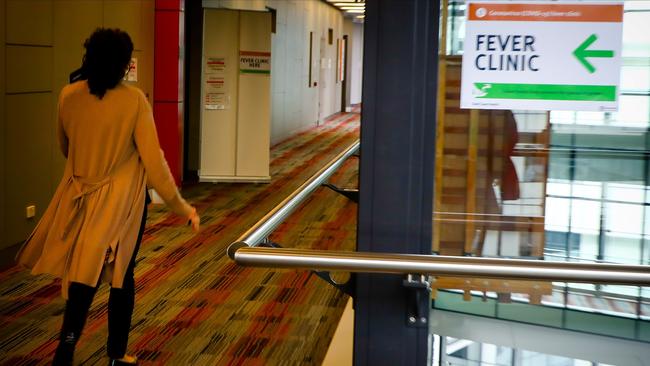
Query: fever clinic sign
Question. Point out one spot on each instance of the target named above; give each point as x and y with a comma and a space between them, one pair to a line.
542, 55
251, 62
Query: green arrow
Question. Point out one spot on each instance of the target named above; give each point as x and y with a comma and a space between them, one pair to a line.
581, 53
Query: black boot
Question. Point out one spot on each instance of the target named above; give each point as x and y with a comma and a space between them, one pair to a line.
65, 350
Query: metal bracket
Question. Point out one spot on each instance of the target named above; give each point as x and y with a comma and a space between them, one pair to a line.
351, 193
347, 287
266, 243
417, 313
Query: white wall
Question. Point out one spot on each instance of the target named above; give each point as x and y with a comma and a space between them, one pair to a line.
295, 105
356, 64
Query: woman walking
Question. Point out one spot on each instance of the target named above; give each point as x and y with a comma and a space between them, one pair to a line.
92, 229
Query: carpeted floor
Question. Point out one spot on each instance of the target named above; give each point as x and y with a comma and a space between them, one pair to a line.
194, 306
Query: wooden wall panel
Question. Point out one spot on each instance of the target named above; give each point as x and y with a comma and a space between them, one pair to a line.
127, 16
42, 45
74, 21
27, 114
29, 22
28, 159
145, 55
29, 69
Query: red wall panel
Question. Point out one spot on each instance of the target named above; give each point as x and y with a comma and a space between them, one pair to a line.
168, 81
169, 123
171, 4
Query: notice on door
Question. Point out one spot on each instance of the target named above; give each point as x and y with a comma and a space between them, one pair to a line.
251, 62
215, 84
216, 87
132, 73
542, 56
215, 66
217, 101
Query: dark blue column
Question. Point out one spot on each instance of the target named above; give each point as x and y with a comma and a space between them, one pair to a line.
396, 172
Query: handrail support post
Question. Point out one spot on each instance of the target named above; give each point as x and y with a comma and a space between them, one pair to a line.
417, 313
351, 193
347, 288
268, 243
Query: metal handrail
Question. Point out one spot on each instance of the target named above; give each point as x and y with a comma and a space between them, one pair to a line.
244, 252
265, 226
474, 267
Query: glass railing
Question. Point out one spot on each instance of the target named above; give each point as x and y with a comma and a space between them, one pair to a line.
463, 352
577, 316
557, 186
459, 339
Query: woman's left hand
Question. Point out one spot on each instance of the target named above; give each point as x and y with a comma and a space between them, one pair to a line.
194, 220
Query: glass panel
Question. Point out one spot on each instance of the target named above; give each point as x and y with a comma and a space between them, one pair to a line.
636, 37
463, 352
635, 79
626, 192
633, 110
455, 27
624, 220
555, 186
559, 221
540, 359
585, 217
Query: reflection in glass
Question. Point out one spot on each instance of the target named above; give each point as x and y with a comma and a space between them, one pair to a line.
558, 186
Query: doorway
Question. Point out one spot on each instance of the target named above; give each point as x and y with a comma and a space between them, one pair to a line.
322, 82
343, 59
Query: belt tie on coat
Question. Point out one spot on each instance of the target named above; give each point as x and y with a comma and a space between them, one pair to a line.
83, 186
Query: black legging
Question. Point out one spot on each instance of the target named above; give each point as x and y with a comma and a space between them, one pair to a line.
120, 306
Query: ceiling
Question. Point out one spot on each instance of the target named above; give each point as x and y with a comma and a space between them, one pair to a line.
354, 9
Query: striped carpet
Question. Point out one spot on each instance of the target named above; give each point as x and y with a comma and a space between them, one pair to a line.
193, 305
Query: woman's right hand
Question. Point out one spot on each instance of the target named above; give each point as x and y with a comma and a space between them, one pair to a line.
194, 220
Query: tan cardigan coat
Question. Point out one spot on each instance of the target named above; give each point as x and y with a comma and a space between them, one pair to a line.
91, 226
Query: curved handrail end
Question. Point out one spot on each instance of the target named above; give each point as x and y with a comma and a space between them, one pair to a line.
232, 249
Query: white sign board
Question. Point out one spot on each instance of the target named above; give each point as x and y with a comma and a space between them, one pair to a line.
252, 62
216, 93
542, 55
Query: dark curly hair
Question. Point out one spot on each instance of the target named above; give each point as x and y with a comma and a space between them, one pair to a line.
108, 54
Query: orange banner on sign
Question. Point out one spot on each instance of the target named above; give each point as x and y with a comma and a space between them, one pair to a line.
546, 12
